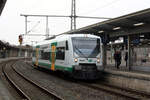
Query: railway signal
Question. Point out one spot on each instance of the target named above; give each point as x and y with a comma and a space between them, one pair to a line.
20, 39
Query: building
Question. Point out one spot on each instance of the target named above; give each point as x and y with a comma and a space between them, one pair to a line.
2, 4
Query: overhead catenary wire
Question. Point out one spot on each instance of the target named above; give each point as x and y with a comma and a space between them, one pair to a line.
33, 27
64, 16
73, 17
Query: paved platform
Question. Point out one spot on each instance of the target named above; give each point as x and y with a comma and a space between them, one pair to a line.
139, 72
130, 74
4, 93
145, 69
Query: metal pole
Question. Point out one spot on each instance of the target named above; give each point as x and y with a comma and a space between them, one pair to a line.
25, 24
111, 52
20, 52
47, 29
73, 15
93, 17
104, 55
129, 53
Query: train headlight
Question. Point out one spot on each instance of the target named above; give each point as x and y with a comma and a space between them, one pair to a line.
98, 60
75, 60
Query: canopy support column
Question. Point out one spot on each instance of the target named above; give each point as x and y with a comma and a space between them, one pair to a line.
129, 53
104, 55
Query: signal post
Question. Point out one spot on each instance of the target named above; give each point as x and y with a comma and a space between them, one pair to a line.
20, 41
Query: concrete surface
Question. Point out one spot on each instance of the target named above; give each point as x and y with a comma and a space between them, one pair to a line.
128, 79
4, 93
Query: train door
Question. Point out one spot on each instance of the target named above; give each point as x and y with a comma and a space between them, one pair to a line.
60, 55
67, 55
53, 54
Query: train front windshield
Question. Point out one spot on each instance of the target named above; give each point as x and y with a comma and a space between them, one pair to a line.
86, 47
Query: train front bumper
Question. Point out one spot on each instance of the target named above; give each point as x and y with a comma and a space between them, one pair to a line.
86, 71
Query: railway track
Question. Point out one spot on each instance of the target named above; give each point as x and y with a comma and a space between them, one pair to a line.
28, 89
122, 92
127, 93
139, 94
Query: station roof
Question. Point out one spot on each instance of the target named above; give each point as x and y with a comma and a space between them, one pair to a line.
2, 45
7, 46
135, 23
2, 4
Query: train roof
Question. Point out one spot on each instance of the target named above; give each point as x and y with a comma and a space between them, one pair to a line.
64, 37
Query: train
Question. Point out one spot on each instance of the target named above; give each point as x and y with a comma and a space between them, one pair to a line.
78, 55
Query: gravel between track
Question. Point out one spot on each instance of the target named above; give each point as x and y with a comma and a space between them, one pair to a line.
66, 89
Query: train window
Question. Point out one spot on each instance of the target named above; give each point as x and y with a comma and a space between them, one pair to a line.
42, 54
67, 45
50, 56
86, 47
33, 54
45, 55
60, 53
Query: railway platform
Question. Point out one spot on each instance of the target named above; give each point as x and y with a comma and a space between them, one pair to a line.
139, 72
4, 92
137, 79
136, 70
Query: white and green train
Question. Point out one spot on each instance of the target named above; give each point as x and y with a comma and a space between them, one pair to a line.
80, 55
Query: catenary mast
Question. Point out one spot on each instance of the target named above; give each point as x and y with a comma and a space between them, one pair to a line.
73, 15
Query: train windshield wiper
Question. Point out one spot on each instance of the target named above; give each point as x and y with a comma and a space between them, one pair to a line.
80, 52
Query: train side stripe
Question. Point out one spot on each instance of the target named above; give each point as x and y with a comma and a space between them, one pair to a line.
57, 67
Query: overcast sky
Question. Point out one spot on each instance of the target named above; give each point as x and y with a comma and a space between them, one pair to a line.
12, 24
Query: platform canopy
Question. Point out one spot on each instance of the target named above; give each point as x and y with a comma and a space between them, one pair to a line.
4, 45
2, 4
135, 23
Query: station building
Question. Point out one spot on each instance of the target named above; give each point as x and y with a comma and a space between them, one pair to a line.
7, 50
133, 29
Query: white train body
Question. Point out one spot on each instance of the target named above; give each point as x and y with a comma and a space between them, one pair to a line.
77, 54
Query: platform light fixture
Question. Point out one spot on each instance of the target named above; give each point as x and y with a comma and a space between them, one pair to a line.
116, 28
100, 31
138, 24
